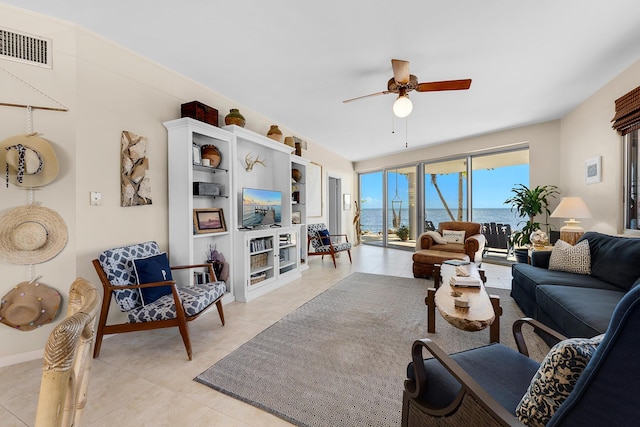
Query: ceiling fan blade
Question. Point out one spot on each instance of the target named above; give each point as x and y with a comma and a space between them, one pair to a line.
366, 96
400, 71
444, 85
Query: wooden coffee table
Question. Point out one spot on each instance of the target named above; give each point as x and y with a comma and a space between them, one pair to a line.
484, 310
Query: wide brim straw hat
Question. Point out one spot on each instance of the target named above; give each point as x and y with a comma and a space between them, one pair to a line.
29, 305
39, 150
31, 234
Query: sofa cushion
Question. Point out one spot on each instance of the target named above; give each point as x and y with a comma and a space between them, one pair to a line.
572, 259
527, 277
503, 374
449, 247
578, 312
555, 379
614, 259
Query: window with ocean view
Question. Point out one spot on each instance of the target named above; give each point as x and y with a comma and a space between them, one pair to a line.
397, 205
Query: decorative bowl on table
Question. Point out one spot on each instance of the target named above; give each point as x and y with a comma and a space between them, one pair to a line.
539, 239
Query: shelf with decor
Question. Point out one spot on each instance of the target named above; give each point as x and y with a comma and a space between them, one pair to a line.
200, 170
265, 259
299, 202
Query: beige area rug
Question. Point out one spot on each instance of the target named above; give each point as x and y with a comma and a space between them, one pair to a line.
341, 358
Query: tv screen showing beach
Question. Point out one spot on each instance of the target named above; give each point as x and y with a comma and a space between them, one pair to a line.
261, 207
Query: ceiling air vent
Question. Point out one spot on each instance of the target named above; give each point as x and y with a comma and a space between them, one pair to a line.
26, 48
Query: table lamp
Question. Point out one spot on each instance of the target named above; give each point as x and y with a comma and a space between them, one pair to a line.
572, 208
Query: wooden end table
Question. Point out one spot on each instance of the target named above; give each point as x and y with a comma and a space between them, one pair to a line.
484, 310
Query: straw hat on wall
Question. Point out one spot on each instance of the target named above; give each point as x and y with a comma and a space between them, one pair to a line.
28, 161
29, 305
31, 234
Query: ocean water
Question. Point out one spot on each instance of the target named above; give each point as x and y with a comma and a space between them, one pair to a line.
371, 219
251, 215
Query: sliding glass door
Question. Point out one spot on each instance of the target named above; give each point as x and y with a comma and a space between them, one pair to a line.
397, 204
372, 198
445, 191
402, 224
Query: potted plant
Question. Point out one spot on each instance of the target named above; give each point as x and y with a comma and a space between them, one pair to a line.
403, 232
529, 202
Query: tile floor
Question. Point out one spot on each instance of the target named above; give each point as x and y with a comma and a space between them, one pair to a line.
145, 379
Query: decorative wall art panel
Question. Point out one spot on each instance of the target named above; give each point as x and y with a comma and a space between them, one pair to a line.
134, 176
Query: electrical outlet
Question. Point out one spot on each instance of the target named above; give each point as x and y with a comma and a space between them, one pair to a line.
95, 198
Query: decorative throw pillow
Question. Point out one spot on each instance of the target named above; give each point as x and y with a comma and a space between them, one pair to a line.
573, 259
555, 379
324, 236
453, 236
437, 238
153, 269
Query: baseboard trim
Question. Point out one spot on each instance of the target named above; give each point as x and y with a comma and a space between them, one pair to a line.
14, 359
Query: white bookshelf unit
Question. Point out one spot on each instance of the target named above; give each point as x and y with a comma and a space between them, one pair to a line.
299, 205
268, 259
185, 245
260, 259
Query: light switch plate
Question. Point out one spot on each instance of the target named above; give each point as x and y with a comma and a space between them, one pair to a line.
95, 198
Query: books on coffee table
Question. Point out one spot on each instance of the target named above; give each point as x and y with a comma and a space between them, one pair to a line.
456, 262
465, 282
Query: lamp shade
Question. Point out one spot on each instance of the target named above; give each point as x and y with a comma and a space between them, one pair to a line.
402, 106
571, 207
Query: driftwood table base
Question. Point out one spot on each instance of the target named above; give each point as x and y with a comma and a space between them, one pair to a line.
483, 311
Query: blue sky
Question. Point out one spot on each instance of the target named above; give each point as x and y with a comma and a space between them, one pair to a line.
490, 188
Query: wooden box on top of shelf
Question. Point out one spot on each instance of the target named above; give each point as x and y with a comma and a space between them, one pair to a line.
199, 111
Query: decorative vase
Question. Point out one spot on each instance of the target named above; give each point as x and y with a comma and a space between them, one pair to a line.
234, 118
275, 133
296, 175
288, 140
212, 153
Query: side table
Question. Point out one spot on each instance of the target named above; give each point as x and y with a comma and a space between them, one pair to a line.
536, 249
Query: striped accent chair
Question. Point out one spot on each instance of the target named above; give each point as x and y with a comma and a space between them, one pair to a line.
321, 242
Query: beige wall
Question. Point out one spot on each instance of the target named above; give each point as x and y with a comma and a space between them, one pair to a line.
107, 90
586, 133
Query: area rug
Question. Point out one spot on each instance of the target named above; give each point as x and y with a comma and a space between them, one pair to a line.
341, 358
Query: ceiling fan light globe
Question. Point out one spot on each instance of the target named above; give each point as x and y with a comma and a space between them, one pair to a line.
402, 107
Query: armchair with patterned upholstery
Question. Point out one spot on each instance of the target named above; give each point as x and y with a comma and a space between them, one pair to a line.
139, 278
321, 242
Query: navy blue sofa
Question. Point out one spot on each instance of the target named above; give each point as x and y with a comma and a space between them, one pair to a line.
578, 305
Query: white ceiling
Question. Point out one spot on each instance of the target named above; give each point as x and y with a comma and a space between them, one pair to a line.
296, 61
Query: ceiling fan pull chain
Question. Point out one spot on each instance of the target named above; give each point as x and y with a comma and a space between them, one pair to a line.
406, 132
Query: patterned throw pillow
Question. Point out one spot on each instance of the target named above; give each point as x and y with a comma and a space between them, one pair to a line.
572, 259
437, 238
453, 236
555, 379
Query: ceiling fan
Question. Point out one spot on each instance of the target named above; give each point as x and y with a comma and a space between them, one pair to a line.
402, 83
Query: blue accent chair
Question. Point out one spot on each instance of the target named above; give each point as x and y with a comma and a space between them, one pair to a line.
483, 386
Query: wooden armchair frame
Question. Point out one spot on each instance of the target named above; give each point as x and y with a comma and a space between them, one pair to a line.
67, 360
180, 320
472, 405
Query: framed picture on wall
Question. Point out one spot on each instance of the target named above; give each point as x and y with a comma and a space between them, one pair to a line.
208, 221
593, 170
346, 201
197, 156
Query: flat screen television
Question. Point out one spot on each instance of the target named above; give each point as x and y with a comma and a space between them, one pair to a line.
261, 207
